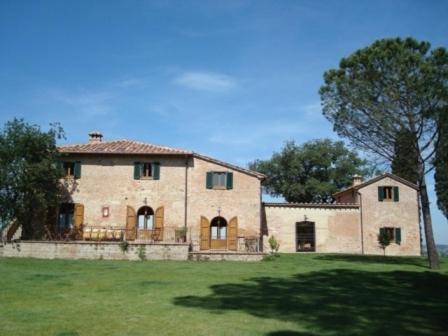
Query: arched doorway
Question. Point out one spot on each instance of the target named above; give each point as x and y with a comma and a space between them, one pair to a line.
145, 218
218, 233
145, 222
305, 237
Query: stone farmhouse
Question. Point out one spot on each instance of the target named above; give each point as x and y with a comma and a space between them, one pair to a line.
153, 194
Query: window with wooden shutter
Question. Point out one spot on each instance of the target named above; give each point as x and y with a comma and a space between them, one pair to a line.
69, 169
146, 170
396, 194
156, 170
137, 170
386, 193
77, 169
209, 180
229, 182
219, 180
380, 194
398, 236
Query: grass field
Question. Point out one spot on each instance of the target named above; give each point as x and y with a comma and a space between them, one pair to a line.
292, 295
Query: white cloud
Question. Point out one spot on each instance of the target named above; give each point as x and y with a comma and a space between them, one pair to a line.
206, 81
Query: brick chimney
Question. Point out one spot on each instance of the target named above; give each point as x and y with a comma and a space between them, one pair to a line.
356, 180
95, 137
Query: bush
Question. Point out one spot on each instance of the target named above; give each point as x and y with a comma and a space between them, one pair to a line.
274, 244
124, 246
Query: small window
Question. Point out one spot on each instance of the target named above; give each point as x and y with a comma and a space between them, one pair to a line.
69, 169
219, 180
147, 170
390, 233
394, 234
388, 193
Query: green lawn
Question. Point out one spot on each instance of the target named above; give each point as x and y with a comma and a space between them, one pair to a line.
293, 295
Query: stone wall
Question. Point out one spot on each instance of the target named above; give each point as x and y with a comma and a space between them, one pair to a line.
108, 181
243, 201
402, 214
226, 256
91, 250
337, 227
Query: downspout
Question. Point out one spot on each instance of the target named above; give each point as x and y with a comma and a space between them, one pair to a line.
186, 193
362, 224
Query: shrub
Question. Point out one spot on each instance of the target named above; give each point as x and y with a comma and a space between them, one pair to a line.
124, 246
274, 244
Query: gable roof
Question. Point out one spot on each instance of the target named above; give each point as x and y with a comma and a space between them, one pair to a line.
231, 166
130, 147
120, 147
378, 178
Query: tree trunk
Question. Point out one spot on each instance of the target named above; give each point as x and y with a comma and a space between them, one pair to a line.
427, 223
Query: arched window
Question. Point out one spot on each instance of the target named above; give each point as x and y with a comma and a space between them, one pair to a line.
218, 229
145, 218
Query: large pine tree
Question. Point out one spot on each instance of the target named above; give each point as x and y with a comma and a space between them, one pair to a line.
390, 87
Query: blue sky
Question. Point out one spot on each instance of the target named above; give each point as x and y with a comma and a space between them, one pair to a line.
231, 79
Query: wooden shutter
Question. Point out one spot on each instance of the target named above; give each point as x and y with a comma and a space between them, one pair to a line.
131, 223
78, 220
229, 180
158, 222
137, 170
77, 170
380, 194
156, 171
209, 180
398, 235
205, 234
232, 234
396, 194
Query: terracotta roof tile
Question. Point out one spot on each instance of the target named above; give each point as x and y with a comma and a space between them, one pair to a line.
120, 147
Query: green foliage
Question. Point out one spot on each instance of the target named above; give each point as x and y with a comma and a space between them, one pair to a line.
141, 252
312, 172
441, 165
405, 160
273, 244
384, 240
28, 175
124, 246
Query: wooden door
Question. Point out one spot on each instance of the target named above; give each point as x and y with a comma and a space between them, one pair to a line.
232, 235
158, 224
78, 220
205, 234
131, 223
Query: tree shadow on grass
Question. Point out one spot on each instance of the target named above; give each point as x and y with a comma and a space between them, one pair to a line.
376, 259
339, 302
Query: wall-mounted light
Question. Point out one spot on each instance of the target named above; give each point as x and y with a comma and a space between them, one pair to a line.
105, 211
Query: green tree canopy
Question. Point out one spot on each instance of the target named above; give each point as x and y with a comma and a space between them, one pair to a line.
441, 165
29, 177
405, 160
390, 88
312, 172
